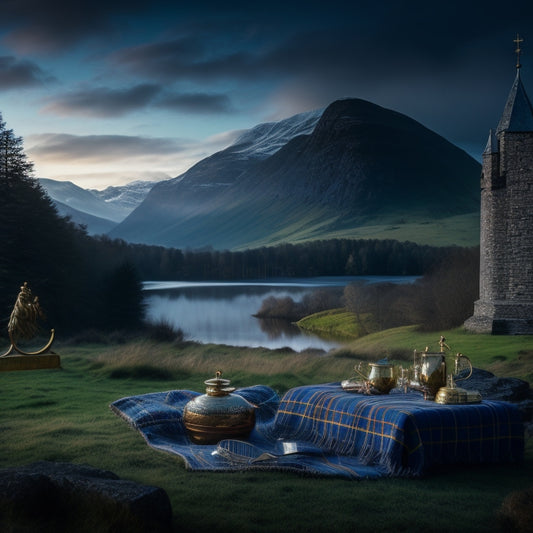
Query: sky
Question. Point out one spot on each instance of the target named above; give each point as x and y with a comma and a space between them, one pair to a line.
107, 92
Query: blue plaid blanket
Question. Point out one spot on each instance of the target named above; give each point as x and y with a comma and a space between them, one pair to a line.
325, 430
403, 433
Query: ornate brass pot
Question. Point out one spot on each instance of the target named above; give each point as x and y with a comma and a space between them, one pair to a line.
456, 395
451, 394
218, 414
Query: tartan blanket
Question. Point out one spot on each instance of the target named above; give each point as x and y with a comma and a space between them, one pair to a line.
403, 433
324, 430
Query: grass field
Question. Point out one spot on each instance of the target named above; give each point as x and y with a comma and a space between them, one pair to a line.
337, 324
307, 225
510, 356
64, 415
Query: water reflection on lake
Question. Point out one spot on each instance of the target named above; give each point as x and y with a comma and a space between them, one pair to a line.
222, 312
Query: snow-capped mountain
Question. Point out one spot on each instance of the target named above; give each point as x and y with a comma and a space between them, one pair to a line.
312, 176
125, 198
99, 211
266, 139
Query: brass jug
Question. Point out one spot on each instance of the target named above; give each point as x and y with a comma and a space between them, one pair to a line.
381, 376
218, 414
431, 372
436, 381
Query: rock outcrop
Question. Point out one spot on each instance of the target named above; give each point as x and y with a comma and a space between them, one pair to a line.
61, 497
512, 390
493, 387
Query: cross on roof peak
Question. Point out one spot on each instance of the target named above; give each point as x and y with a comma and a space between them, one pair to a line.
518, 50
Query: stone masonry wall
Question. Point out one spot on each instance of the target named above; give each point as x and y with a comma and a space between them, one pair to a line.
505, 303
518, 161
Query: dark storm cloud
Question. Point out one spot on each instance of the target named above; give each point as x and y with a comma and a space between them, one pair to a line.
16, 74
417, 29
161, 58
37, 26
382, 42
449, 65
186, 58
196, 103
103, 101
108, 102
89, 148
240, 41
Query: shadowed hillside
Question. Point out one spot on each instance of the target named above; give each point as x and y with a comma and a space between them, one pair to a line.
362, 165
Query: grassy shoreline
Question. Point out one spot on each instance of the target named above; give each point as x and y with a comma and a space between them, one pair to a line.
509, 356
64, 415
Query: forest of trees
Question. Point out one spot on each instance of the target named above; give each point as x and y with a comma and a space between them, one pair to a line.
88, 282
334, 257
442, 298
59, 261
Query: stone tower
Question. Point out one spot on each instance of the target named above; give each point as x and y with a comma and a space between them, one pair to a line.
505, 304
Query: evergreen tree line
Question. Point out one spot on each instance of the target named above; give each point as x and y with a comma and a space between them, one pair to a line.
332, 257
88, 282
76, 287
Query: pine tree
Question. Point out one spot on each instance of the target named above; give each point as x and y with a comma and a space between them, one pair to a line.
123, 300
13, 162
60, 262
32, 234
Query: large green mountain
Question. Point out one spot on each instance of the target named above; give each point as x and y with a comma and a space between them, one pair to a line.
353, 170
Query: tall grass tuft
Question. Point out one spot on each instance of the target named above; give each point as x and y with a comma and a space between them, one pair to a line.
516, 511
164, 331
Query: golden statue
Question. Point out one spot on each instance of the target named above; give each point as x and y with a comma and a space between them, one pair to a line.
23, 322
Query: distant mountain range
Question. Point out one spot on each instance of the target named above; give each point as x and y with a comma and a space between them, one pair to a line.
99, 211
352, 170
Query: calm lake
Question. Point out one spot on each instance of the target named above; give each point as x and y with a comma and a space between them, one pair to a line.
222, 312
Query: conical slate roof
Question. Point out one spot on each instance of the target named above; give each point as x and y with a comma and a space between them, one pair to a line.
492, 143
518, 112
